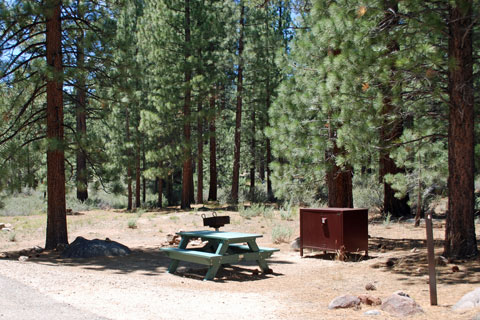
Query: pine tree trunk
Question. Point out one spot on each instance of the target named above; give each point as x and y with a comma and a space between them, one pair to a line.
56, 206
252, 154
81, 128
187, 173
391, 131
200, 156
238, 115
138, 176
129, 165
170, 199
159, 192
212, 192
460, 240
144, 181
339, 180
270, 194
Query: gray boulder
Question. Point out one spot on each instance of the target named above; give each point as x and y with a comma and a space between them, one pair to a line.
295, 244
401, 305
468, 301
345, 301
83, 248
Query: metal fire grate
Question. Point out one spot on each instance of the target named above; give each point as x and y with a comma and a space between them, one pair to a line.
215, 221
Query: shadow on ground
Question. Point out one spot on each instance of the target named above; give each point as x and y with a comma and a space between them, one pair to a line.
147, 261
411, 264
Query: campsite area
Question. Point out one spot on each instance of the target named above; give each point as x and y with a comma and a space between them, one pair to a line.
137, 286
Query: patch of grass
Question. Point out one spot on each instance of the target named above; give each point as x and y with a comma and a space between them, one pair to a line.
12, 237
24, 204
132, 223
367, 192
255, 210
174, 218
281, 233
289, 212
388, 220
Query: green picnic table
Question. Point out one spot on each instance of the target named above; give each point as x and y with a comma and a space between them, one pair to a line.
227, 248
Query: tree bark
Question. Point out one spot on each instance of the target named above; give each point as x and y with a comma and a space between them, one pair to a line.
390, 131
187, 173
170, 199
81, 117
252, 154
138, 176
159, 192
212, 192
460, 240
200, 156
144, 180
270, 194
56, 206
339, 180
238, 114
129, 165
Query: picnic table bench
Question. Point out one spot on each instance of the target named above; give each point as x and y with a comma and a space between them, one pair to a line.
228, 247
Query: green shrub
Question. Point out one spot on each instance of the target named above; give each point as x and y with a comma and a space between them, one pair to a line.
132, 223
281, 233
26, 203
255, 210
289, 212
367, 191
12, 237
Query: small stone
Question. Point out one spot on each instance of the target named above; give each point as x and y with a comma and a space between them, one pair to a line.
401, 293
390, 262
23, 258
2, 225
414, 250
345, 301
37, 249
373, 313
370, 300
370, 287
442, 261
455, 269
6, 229
420, 270
3, 255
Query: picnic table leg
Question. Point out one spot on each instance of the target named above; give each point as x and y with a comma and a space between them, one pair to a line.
212, 271
261, 261
174, 264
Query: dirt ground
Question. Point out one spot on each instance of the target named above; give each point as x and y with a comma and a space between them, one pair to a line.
138, 287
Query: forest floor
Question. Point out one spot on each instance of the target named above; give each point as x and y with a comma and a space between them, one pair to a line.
137, 286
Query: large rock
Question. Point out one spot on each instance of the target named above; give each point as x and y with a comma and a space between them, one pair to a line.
468, 301
345, 301
401, 305
295, 244
83, 248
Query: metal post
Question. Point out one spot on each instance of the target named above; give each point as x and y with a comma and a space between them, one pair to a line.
431, 261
